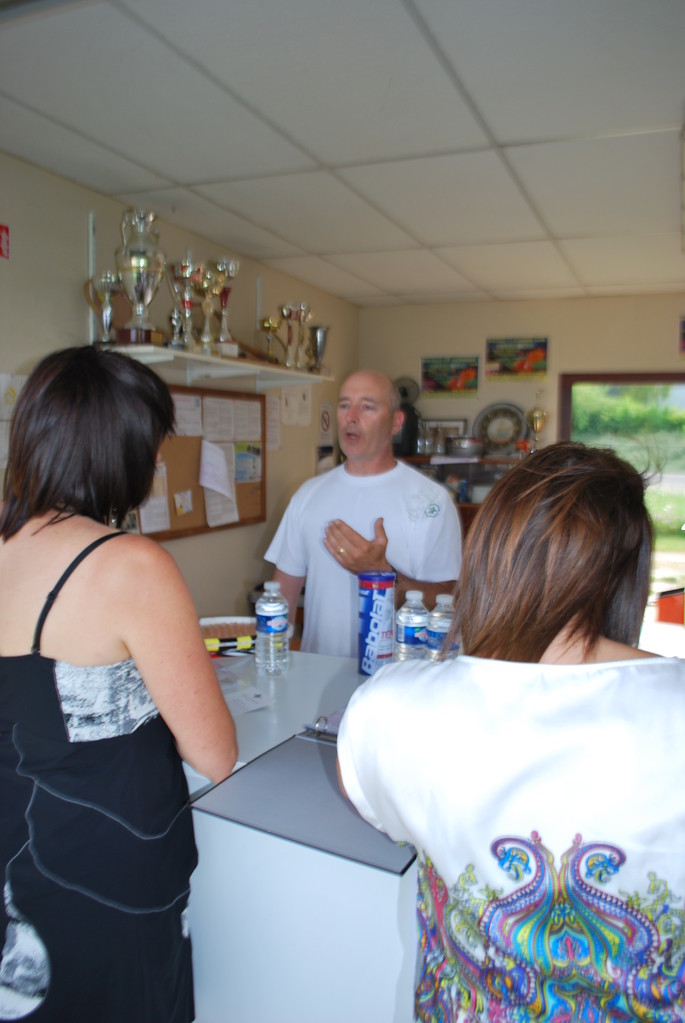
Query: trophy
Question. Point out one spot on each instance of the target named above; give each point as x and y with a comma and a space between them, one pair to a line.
182, 279
290, 312
214, 277
317, 344
230, 267
296, 354
271, 325
140, 268
303, 357
102, 288
536, 419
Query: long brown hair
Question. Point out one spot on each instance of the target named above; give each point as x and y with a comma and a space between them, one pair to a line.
563, 539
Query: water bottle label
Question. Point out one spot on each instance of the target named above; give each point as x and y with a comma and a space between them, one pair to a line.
412, 635
434, 640
272, 623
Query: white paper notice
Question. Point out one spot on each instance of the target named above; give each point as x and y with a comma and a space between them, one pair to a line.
188, 408
304, 405
218, 419
273, 422
217, 476
248, 420
289, 405
154, 512
296, 405
215, 471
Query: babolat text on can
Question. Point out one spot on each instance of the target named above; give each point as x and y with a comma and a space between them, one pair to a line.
376, 620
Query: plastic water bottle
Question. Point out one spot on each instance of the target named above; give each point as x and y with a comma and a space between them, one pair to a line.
410, 628
439, 622
272, 646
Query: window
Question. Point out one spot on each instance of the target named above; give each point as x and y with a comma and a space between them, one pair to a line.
642, 417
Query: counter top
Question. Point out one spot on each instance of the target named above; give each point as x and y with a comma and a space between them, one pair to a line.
314, 685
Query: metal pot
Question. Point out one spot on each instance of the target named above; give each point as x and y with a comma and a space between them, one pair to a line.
464, 447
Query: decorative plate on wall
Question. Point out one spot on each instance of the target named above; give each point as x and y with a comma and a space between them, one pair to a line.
499, 426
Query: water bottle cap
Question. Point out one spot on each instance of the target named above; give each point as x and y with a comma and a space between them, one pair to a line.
443, 598
414, 595
272, 587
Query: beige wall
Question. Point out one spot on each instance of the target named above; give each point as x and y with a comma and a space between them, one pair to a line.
585, 335
42, 308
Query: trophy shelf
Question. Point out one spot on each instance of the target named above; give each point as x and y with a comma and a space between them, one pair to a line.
187, 368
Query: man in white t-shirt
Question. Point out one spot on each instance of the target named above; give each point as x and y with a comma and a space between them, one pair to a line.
370, 514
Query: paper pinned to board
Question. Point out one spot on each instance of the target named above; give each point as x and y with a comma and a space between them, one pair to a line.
154, 511
217, 476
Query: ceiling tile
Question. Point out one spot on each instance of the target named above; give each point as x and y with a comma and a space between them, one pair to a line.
655, 259
48, 144
401, 272
449, 200
549, 69
636, 289
599, 186
313, 210
513, 266
349, 82
534, 294
145, 101
322, 275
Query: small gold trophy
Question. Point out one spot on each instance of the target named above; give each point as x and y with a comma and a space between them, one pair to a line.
536, 419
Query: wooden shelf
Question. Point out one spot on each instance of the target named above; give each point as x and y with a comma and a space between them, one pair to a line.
188, 368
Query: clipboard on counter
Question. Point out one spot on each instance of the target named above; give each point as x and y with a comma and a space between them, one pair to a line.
292, 792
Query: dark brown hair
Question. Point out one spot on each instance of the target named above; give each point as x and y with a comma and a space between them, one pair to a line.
84, 437
563, 539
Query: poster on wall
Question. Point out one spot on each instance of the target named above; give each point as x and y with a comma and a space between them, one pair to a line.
516, 357
450, 376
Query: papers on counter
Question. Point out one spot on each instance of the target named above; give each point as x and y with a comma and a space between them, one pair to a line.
241, 699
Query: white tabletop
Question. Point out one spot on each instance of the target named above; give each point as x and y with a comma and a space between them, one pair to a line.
314, 685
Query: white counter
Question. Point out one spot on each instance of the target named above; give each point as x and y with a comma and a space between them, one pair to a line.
314, 685
282, 931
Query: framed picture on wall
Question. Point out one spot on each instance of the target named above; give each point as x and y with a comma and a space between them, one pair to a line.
449, 427
516, 357
444, 376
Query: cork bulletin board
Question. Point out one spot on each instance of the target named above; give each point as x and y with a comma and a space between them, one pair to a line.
212, 472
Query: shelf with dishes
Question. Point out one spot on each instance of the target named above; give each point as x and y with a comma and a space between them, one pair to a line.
187, 368
470, 479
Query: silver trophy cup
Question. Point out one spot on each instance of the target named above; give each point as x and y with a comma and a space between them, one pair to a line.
99, 291
140, 265
317, 342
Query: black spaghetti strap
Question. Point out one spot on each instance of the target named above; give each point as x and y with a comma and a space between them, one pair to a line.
52, 595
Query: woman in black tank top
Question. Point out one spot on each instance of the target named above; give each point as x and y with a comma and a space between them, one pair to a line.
104, 685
